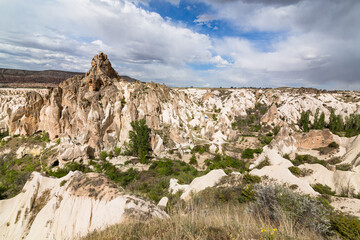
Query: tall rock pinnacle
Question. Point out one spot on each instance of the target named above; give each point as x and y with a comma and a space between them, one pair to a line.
101, 72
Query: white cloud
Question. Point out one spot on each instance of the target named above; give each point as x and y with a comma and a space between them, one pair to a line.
316, 42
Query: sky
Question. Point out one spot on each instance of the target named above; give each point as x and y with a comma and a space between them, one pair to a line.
183, 43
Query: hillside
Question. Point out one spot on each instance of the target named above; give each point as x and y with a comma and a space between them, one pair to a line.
247, 145
37, 79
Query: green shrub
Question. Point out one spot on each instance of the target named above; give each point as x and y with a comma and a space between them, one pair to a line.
344, 167
334, 160
123, 102
200, 149
103, 155
154, 183
333, 145
139, 140
346, 226
72, 166
264, 163
217, 196
278, 203
251, 179
193, 160
62, 183
276, 130
117, 151
286, 156
247, 153
45, 137
265, 139
323, 189
58, 141
4, 134
226, 162
295, 170
301, 159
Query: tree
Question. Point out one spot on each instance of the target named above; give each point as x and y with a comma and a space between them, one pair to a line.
304, 121
321, 122
139, 140
316, 120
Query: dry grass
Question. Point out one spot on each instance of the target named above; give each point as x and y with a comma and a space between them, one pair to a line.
227, 221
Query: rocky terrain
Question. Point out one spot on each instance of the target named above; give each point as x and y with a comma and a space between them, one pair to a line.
86, 121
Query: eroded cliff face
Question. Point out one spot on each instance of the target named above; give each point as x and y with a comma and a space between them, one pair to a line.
93, 113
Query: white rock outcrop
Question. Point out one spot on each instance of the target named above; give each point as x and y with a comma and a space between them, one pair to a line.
198, 184
68, 207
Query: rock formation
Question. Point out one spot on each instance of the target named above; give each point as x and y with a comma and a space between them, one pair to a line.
68, 207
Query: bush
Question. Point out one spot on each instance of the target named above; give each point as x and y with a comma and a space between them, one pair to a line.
277, 203
139, 140
62, 183
333, 145
217, 196
266, 139
346, 226
117, 151
295, 170
193, 160
334, 161
249, 153
45, 137
264, 163
154, 183
323, 189
72, 166
251, 179
286, 156
301, 159
200, 149
226, 162
103, 155
344, 167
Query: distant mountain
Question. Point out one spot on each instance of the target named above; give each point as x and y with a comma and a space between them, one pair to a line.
47, 78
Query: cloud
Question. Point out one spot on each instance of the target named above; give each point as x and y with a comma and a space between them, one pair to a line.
297, 43
273, 2
130, 34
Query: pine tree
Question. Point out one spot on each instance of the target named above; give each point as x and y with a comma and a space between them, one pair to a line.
316, 120
304, 121
139, 140
332, 120
321, 122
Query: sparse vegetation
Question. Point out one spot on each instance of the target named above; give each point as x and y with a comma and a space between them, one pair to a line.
200, 148
278, 203
193, 160
328, 149
248, 153
301, 159
344, 167
264, 163
345, 226
226, 162
300, 172
103, 155
251, 122
323, 189
251, 179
